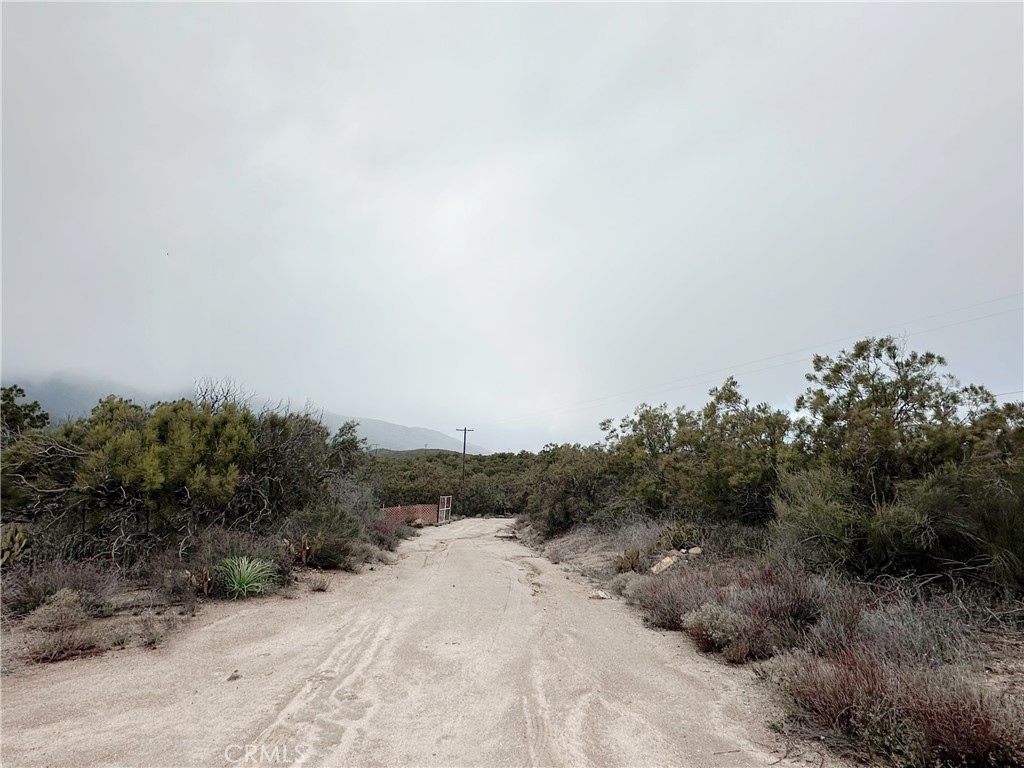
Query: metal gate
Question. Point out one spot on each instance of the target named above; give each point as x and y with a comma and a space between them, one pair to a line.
444, 510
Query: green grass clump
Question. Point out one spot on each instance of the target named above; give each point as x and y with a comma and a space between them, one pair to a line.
244, 576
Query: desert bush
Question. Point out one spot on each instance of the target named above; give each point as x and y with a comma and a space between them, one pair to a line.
717, 628
680, 535
637, 531
555, 552
664, 599
776, 606
959, 519
916, 717
917, 632
815, 518
118, 636
328, 529
629, 560
243, 576
152, 630
27, 586
386, 534
621, 583
63, 610
972, 518
176, 581
182, 577
901, 626
213, 545
61, 644
319, 582
732, 539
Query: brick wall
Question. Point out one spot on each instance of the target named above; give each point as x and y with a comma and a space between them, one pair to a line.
409, 513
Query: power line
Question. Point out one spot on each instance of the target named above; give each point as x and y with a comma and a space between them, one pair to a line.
688, 379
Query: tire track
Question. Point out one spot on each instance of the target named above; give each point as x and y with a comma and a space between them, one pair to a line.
325, 710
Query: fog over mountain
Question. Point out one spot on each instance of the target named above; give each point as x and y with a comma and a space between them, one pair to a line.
69, 396
520, 218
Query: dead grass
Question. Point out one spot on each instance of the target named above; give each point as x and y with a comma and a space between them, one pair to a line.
64, 610
44, 647
622, 583
592, 552
152, 630
26, 587
319, 582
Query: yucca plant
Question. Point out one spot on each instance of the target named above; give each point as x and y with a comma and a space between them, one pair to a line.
244, 576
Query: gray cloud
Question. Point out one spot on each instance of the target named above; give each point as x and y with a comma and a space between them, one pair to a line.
449, 214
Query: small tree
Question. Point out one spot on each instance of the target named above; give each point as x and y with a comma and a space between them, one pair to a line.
884, 415
18, 417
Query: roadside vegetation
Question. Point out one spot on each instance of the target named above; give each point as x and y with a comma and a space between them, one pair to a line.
115, 525
865, 554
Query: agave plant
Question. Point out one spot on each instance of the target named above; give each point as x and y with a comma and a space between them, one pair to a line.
244, 576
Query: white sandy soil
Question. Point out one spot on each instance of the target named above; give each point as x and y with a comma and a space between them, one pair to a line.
470, 651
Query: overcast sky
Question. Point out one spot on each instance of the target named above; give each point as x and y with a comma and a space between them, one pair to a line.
518, 218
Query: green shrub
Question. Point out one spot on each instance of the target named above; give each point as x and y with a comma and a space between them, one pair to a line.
679, 536
182, 578
973, 518
966, 519
629, 560
815, 520
324, 534
14, 543
717, 628
214, 545
244, 576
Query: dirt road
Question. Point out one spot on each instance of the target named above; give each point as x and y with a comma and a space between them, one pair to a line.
470, 651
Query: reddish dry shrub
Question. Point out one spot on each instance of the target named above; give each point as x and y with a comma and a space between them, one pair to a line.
961, 723
385, 533
769, 607
916, 716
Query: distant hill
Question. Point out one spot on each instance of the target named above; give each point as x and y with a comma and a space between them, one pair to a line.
415, 454
70, 396
396, 437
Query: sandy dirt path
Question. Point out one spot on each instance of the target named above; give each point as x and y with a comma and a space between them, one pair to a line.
470, 651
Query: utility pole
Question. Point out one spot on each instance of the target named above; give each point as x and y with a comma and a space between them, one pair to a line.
464, 431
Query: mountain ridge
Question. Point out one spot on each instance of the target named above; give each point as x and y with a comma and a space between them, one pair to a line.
72, 395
